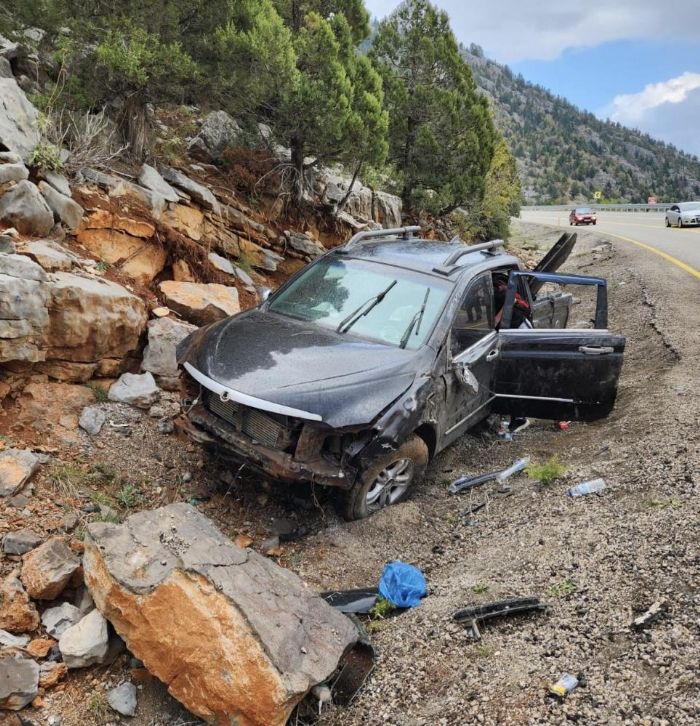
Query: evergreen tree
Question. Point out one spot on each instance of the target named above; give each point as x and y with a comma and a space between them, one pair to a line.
441, 135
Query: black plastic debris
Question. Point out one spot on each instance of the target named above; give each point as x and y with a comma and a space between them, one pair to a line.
355, 667
359, 601
476, 615
465, 482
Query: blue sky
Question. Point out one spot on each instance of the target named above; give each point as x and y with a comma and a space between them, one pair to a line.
635, 61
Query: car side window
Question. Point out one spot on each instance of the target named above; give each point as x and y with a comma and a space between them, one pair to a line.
474, 318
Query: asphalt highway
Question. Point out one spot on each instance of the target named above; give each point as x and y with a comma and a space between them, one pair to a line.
644, 230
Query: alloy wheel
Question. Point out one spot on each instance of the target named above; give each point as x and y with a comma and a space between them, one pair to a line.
390, 484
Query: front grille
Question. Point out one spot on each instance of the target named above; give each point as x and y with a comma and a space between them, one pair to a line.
250, 421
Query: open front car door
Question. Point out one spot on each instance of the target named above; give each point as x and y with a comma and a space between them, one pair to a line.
560, 374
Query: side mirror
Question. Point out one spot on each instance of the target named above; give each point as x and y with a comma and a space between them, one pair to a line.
264, 293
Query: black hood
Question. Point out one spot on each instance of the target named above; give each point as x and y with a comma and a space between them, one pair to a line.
555, 258
344, 380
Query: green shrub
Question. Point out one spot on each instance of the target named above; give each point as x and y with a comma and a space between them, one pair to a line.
547, 472
45, 156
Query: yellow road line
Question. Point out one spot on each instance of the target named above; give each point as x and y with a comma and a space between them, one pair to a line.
670, 258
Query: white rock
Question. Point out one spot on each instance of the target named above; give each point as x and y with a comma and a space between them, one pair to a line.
86, 643
25, 208
163, 336
151, 179
18, 119
92, 420
19, 680
58, 619
67, 211
123, 699
16, 467
221, 263
136, 390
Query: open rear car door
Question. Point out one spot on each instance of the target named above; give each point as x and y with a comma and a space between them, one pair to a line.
559, 374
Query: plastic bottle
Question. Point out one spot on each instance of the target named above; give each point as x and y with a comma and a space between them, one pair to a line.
564, 685
519, 465
587, 487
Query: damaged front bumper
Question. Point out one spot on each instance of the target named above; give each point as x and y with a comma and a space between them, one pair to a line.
208, 429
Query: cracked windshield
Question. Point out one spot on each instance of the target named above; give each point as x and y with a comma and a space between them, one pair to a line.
368, 300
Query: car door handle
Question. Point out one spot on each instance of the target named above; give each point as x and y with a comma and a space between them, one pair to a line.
596, 350
492, 355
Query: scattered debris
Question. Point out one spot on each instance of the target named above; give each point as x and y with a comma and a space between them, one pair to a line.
564, 685
471, 617
469, 482
652, 614
359, 601
402, 584
587, 487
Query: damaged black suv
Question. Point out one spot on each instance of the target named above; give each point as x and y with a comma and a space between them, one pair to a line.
384, 351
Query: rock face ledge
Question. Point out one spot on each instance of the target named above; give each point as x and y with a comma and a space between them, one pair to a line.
238, 639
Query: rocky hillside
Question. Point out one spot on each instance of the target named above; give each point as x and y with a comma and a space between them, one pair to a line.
566, 154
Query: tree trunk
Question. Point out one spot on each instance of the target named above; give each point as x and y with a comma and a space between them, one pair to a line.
297, 148
135, 127
344, 200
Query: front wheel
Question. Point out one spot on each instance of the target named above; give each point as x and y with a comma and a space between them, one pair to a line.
668, 224
386, 480
680, 223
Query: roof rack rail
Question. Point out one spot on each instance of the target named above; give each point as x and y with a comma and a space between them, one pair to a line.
405, 232
450, 263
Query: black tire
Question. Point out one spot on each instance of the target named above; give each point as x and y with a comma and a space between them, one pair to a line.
680, 223
594, 223
357, 503
668, 224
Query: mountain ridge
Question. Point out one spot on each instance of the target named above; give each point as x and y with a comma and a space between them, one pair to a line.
565, 154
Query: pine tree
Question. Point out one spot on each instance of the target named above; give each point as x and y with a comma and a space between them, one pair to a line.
441, 135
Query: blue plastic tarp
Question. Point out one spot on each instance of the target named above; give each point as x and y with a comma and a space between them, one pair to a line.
402, 584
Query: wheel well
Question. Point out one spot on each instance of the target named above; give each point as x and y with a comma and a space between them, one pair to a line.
427, 433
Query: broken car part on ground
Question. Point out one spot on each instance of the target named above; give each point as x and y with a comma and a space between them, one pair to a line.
384, 351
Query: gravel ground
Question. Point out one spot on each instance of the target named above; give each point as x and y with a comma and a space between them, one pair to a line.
598, 561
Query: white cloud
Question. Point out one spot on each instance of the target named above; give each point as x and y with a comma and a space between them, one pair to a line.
513, 30
668, 110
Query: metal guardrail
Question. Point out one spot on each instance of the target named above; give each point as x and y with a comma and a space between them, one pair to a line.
662, 207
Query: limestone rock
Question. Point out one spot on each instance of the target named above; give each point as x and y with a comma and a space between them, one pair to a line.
16, 468
14, 641
200, 303
49, 255
104, 219
182, 273
221, 263
58, 182
18, 119
92, 319
169, 581
135, 257
387, 209
151, 179
58, 619
13, 173
22, 268
163, 336
19, 679
186, 220
92, 420
218, 131
17, 612
50, 673
40, 647
5, 68
7, 245
47, 569
136, 390
198, 192
260, 257
24, 208
20, 541
120, 188
303, 244
86, 643
123, 699
63, 207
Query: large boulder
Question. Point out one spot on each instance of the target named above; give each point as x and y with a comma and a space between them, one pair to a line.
19, 679
18, 119
299, 242
24, 208
200, 303
47, 569
18, 614
63, 207
50, 255
237, 638
163, 336
186, 220
91, 319
218, 132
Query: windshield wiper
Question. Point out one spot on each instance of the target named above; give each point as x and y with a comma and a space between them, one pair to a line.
347, 322
416, 320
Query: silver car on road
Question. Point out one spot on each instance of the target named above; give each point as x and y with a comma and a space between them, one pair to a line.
685, 213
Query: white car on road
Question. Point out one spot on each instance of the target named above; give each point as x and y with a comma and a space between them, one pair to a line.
685, 213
